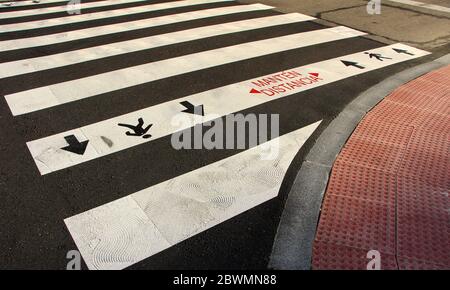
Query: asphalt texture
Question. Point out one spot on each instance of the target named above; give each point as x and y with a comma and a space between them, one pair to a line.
33, 207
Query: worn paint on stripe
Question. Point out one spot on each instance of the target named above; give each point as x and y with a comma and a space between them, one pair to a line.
127, 26
69, 91
102, 15
98, 52
47, 10
130, 229
222, 101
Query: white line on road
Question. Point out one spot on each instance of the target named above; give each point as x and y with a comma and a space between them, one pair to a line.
49, 156
130, 229
99, 52
102, 15
42, 11
127, 26
28, 3
69, 91
423, 5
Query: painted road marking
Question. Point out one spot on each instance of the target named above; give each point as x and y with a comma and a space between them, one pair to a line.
74, 145
130, 229
30, 3
192, 109
423, 5
127, 26
222, 101
69, 91
47, 10
98, 52
101, 15
352, 63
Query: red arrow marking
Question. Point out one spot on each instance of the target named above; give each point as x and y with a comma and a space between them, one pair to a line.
314, 74
253, 91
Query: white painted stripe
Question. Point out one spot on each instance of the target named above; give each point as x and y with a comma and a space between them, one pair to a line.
102, 15
423, 5
127, 26
47, 10
130, 229
6, 4
69, 91
218, 102
94, 53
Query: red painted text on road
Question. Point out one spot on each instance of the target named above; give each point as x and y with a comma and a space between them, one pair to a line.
283, 82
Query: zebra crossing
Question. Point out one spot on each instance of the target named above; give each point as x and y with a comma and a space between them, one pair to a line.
83, 79
41, 11
81, 34
73, 90
39, 24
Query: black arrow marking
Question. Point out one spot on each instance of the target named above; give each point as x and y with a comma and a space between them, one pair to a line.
75, 146
397, 50
352, 63
191, 109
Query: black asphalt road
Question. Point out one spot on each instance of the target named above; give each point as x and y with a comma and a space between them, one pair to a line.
33, 207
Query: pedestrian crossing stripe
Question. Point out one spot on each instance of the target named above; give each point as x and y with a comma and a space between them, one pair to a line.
71, 19
222, 101
430, 6
29, 3
86, 33
130, 229
47, 10
119, 48
74, 90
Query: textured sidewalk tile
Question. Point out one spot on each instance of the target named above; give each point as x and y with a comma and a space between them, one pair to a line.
372, 155
328, 256
363, 183
357, 223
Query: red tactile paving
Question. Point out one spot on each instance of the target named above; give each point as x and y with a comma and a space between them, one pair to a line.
423, 238
427, 158
328, 256
384, 133
443, 70
389, 187
357, 223
416, 196
423, 224
407, 115
372, 155
427, 85
438, 78
435, 103
412, 264
362, 183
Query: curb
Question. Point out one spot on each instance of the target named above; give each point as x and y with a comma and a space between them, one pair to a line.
292, 248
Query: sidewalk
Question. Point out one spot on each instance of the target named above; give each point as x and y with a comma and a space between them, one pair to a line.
388, 189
